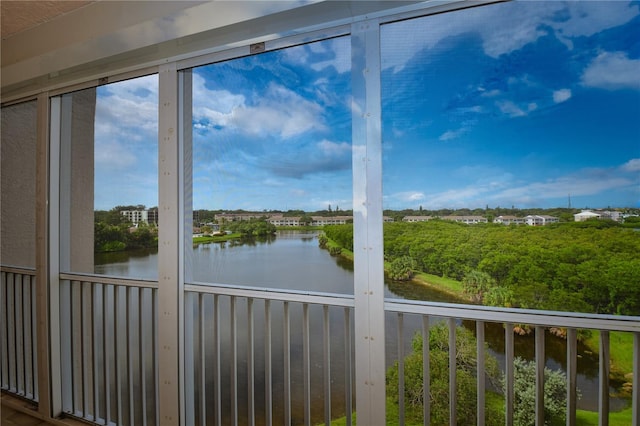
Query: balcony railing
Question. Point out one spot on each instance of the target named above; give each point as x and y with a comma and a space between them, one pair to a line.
259, 356
18, 332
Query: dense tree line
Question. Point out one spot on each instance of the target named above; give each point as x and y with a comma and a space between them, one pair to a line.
590, 266
252, 228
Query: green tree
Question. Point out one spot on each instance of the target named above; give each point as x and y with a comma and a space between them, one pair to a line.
476, 284
555, 394
402, 268
466, 371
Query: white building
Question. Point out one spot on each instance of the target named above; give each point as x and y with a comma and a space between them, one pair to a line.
469, 220
540, 220
585, 215
416, 218
141, 216
508, 220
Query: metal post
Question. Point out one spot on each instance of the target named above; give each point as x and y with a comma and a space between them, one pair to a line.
170, 294
367, 221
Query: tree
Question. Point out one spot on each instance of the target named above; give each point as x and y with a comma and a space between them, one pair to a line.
476, 283
306, 219
466, 371
555, 394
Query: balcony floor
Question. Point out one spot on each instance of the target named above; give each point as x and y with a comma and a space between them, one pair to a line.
17, 412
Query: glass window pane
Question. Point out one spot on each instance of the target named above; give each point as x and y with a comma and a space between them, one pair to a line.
272, 166
501, 124
19, 184
110, 189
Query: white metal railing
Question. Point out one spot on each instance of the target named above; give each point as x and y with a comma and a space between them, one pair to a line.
538, 320
260, 356
255, 356
108, 336
18, 371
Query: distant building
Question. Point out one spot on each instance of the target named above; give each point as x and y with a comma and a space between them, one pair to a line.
416, 218
280, 220
148, 217
330, 220
585, 215
469, 220
508, 220
613, 215
540, 220
599, 214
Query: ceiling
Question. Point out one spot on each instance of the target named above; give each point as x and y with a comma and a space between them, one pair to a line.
21, 15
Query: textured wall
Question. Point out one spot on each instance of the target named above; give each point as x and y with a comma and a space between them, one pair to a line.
18, 191
82, 180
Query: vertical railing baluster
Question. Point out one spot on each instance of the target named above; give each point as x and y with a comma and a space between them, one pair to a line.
480, 389
130, 345
11, 332
509, 373
540, 362
217, 376
142, 347
268, 378
635, 396
348, 370
234, 362
18, 306
66, 346
118, 350
189, 354
105, 356
156, 372
306, 364
250, 365
203, 361
286, 338
603, 394
85, 346
453, 397
426, 371
95, 351
400, 334
4, 323
34, 334
326, 363
572, 370
28, 347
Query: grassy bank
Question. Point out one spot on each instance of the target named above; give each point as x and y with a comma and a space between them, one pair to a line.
216, 238
621, 346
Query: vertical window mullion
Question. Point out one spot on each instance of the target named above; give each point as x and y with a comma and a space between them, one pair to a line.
367, 222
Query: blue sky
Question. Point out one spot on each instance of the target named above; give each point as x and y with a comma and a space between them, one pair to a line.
518, 104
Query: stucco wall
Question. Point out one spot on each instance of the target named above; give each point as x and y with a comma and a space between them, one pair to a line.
18, 187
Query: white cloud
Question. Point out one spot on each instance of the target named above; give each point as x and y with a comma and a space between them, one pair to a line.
613, 70
334, 149
112, 155
279, 111
408, 196
128, 109
451, 134
504, 27
561, 95
632, 165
